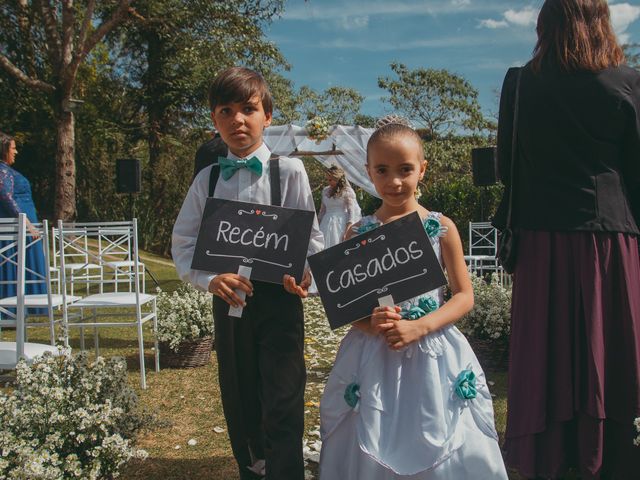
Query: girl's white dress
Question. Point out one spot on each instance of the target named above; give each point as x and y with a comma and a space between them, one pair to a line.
335, 213
410, 414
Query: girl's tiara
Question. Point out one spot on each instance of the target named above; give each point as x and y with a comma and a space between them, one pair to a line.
392, 118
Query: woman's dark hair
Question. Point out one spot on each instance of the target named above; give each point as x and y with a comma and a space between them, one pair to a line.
5, 144
576, 35
338, 175
238, 85
391, 131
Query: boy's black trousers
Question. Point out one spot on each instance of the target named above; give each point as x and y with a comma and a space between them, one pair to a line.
262, 378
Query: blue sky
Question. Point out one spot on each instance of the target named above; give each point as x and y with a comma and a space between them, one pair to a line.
352, 43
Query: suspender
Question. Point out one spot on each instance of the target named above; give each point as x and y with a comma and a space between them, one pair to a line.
274, 180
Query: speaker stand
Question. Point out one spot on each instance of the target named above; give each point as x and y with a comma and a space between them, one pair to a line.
131, 210
483, 191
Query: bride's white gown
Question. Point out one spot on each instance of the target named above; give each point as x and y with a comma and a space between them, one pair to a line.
335, 213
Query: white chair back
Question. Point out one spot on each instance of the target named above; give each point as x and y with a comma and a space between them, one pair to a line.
12, 253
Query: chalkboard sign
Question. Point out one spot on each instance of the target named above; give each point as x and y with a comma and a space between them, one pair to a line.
273, 241
395, 259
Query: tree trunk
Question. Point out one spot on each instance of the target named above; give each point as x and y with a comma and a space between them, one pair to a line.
65, 194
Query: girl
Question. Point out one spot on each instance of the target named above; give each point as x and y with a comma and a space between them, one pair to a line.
407, 398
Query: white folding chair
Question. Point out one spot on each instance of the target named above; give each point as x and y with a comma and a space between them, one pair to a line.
75, 248
50, 301
12, 255
94, 308
483, 246
114, 246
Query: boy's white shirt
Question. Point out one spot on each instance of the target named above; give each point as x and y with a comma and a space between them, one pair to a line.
244, 186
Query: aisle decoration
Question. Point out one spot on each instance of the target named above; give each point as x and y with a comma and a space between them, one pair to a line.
488, 324
185, 327
69, 418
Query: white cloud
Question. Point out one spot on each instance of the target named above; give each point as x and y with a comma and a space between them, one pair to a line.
352, 23
623, 15
523, 18
386, 45
493, 24
334, 10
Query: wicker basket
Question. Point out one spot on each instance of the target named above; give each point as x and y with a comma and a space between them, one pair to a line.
190, 353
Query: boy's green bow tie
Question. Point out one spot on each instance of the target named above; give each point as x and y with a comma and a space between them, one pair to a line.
228, 166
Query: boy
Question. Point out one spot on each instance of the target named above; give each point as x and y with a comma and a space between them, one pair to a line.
260, 356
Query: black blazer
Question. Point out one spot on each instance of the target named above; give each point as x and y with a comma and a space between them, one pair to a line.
578, 150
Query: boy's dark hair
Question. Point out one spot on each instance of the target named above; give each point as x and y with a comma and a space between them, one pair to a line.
390, 131
238, 85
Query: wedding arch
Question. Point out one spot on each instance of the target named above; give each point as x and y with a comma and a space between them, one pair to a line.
345, 146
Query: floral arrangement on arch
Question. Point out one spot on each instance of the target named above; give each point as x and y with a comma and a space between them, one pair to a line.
318, 128
69, 418
491, 314
184, 315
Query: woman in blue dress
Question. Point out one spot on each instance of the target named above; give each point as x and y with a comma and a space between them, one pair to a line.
15, 198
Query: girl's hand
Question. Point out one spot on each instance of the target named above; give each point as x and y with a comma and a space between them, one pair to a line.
301, 290
401, 333
382, 316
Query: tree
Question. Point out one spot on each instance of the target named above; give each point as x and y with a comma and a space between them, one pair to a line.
438, 100
632, 52
43, 45
173, 50
338, 105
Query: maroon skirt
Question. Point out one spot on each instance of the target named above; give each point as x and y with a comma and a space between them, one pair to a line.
574, 364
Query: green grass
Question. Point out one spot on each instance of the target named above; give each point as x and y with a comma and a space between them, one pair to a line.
186, 402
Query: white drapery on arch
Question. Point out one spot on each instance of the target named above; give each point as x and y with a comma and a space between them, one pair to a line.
289, 140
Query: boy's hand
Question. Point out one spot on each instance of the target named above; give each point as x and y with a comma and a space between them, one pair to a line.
400, 333
301, 290
383, 316
225, 286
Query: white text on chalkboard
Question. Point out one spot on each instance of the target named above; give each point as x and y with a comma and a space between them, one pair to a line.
374, 267
258, 238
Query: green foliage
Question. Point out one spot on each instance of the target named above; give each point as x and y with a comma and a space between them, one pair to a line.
439, 100
632, 52
338, 105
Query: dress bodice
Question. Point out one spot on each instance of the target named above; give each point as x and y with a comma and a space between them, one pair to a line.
15, 194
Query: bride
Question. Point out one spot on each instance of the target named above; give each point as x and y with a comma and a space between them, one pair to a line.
339, 208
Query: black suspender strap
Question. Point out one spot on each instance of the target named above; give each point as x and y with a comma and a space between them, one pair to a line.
274, 177
214, 174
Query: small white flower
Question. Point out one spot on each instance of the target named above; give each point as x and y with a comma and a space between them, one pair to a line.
192, 442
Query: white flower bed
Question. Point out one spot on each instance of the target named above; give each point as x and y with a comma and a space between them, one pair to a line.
491, 314
185, 314
68, 418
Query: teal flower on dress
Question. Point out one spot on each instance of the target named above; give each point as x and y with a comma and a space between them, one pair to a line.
428, 304
465, 385
425, 305
433, 227
352, 394
367, 227
412, 313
